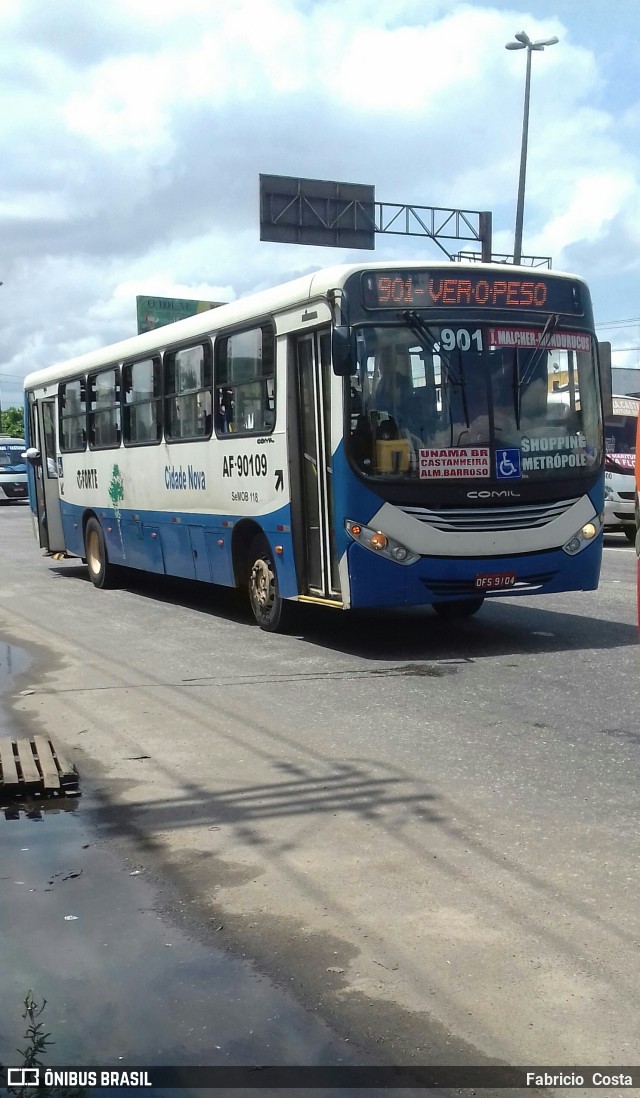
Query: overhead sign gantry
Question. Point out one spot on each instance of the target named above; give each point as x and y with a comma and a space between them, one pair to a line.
331, 214
346, 215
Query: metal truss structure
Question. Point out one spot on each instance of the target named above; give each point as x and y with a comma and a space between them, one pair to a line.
437, 223
502, 257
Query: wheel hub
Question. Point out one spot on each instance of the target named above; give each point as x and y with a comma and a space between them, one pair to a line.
93, 552
262, 584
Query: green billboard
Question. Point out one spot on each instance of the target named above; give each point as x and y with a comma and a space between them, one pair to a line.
155, 312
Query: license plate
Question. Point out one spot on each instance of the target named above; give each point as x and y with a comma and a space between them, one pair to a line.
495, 581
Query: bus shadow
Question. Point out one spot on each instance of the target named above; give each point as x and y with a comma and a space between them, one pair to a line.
204, 598
501, 628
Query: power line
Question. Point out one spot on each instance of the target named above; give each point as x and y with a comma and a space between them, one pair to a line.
618, 323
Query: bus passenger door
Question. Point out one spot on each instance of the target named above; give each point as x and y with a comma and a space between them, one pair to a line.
34, 474
46, 471
313, 512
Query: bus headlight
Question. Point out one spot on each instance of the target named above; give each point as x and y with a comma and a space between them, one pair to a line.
380, 543
378, 540
583, 537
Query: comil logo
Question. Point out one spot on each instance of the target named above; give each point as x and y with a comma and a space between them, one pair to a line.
23, 1077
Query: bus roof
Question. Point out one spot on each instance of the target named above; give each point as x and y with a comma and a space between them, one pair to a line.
286, 295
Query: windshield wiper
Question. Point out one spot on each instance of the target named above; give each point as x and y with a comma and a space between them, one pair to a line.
427, 338
521, 379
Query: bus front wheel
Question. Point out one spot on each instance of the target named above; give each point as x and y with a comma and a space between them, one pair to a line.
101, 572
270, 610
464, 608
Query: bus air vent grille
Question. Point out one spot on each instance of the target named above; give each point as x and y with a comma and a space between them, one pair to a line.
491, 519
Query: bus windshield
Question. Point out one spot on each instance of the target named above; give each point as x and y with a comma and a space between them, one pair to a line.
435, 401
11, 459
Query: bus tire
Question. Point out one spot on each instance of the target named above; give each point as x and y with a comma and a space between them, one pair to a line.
270, 610
463, 608
101, 572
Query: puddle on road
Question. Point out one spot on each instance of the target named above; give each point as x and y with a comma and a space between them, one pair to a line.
13, 662
124, 987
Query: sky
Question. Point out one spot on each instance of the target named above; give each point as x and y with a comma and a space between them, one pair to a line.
133, 134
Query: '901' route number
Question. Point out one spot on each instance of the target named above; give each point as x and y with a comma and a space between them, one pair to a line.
462, 339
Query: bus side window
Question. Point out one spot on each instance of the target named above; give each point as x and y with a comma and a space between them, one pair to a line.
187, 387
142, 392
245, 382
73, 415
104, 409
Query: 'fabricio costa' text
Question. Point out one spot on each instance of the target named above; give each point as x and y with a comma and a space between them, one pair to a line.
598, 1079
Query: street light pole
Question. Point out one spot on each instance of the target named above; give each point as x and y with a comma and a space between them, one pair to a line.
523, 42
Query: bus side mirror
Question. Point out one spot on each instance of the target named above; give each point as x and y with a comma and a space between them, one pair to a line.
342, 351
604, 356
31, 455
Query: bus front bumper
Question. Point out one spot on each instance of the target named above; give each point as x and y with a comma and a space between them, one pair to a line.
376, 581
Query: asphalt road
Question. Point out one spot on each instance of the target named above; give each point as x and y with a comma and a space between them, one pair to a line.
428, 831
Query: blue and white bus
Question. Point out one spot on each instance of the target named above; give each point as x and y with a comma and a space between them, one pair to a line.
13, 470
365, 436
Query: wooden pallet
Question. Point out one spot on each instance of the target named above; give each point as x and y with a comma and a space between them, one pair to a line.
35, 768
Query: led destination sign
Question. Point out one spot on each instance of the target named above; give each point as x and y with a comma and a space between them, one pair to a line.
440, 289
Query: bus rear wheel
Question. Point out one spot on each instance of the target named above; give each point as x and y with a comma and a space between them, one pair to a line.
464, 608
101, 572
271, 611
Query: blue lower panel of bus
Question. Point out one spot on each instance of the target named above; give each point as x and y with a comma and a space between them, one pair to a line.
191, 546
199, 547
376, 581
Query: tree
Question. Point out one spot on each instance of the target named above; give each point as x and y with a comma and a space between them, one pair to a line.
12, 422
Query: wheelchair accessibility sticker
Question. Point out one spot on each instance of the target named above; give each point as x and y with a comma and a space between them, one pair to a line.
508, 464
